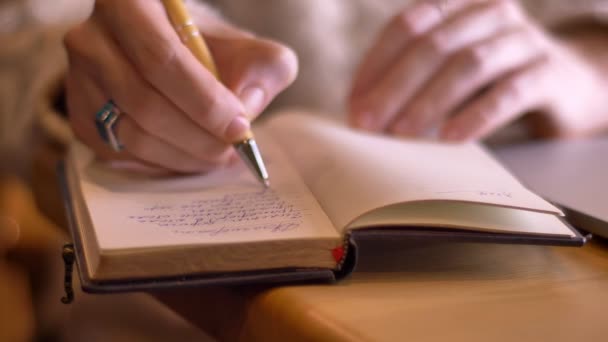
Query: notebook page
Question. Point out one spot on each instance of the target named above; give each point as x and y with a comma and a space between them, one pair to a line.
461, 215
226, 206
351, 173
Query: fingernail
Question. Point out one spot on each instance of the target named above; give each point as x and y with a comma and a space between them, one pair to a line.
237, 129
253, 99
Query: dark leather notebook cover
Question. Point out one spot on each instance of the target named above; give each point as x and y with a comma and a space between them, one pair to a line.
275, 276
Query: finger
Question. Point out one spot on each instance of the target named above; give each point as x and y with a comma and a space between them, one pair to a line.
464, 76
137, 143
149, 108
402, 30
81, 112
254, 69
517, 94
150, 149
422, 59
151, 44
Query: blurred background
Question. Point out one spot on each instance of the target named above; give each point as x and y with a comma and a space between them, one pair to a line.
30, 33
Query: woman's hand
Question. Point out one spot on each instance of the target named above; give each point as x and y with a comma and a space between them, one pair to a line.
464, 68
177, 115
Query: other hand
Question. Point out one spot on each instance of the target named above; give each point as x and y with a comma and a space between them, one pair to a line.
465, 68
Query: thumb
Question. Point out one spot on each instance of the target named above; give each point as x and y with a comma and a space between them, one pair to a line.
255, 70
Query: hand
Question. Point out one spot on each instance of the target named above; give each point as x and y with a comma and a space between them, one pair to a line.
465, 68
177, 115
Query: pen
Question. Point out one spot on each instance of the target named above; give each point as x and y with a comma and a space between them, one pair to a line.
191, 37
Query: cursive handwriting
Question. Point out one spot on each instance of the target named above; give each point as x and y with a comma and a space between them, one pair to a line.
226, 214
273, 228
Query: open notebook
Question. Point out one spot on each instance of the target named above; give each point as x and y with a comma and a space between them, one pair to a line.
330, 185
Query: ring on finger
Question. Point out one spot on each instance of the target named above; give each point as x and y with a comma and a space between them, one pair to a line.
106, 120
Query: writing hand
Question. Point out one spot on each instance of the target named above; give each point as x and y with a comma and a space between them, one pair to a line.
177, 115
467, 67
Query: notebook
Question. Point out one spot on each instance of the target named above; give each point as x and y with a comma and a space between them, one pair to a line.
572, 174
332, 189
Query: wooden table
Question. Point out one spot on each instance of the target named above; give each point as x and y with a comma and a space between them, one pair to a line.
428, 293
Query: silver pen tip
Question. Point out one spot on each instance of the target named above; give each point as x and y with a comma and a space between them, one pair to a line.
250, 154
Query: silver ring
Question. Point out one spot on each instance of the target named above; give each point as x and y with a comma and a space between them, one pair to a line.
106, 120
